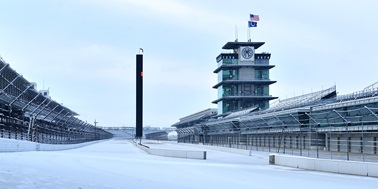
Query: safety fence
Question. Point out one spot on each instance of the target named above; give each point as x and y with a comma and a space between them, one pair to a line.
341, 145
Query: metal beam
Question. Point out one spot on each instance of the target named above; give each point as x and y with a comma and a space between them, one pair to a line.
30, 101
40, 106
311, 118
371, 111
267, 124
61, 117
67, 120
3, 68
57, 114
74, 121
346, 121
255, 123
295, 119
280, 120
50, 112
10, 83
14, 100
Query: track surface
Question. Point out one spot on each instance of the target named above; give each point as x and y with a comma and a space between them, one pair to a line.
119, 164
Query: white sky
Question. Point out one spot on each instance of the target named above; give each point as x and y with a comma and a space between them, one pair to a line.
84, 51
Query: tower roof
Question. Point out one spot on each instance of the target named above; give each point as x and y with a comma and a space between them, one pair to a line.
236, 45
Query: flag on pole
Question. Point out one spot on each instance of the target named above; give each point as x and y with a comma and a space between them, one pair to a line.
252, 24
254, 17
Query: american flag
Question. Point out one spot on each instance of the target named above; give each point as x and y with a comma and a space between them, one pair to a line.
254, 17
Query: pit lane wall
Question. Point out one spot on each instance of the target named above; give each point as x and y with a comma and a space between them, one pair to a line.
11, 145
220, 148
178, 153
326, 165
189, 154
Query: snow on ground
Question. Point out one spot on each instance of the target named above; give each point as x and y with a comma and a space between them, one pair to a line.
119, 164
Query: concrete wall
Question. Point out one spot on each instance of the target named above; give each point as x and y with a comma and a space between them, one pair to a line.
326, 165
53, 147
246, 73
223, 149
178, 153
189, 154
11, 145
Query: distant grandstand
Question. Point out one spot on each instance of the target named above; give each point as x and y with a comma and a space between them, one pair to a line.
152, 133
28, 114
161, 135
121, 132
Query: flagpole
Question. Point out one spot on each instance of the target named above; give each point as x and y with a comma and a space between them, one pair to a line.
249, 34
236, 33
252, 23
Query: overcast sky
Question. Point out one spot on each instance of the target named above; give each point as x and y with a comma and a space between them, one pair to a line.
83, 51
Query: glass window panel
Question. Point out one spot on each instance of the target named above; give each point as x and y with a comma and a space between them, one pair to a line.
266, 91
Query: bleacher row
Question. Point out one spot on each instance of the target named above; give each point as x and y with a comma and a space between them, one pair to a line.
28, 114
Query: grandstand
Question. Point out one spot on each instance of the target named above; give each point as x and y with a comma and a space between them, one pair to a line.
196, 118
315, 123
28, 114
153, 133
121, 132
161, 135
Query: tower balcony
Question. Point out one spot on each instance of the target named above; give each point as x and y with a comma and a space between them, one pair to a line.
230, 61
234, 81
243, 97
237, 66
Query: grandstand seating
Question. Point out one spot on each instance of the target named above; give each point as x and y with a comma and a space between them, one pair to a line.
309, 119
27, 114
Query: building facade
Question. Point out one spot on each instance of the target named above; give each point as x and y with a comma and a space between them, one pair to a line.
243, 78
